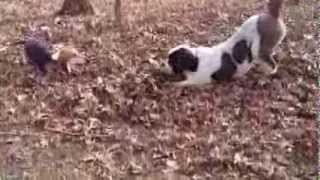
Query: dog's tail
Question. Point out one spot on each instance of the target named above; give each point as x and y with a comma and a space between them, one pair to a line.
274, 7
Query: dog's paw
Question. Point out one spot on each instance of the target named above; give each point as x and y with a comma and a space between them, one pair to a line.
178, 84
187, 83
181, 84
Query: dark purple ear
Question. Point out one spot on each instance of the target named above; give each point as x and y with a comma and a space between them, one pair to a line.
183, 60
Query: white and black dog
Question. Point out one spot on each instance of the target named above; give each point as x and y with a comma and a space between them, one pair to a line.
257, 38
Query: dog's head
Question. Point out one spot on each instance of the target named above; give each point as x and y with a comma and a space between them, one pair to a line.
182, 58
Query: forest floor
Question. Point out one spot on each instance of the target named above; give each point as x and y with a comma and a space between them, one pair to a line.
117, 118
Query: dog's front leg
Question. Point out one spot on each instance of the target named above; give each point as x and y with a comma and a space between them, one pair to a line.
192, 82
183, 83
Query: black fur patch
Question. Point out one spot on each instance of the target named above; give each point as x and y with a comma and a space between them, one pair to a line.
227, 70
241, 51
37, 55
183, 60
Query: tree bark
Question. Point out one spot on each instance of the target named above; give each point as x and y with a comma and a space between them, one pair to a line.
76, 7
117, 13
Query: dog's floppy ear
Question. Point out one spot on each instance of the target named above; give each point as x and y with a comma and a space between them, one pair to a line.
182, 59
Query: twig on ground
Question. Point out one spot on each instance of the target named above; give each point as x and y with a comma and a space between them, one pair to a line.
62, 132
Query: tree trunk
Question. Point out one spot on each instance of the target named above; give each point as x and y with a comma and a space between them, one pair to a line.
117, 13
76, 7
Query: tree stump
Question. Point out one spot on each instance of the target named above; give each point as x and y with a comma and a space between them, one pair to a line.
75, 7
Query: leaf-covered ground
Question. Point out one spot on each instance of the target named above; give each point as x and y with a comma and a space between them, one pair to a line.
117, 118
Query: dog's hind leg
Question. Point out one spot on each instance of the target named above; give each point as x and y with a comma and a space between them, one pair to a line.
255, 47
269, 60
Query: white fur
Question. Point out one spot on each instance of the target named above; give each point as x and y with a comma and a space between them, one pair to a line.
209, 62
248, 31
210, 57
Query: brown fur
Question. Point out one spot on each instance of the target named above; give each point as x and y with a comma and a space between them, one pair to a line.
271, 31
274, 7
